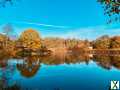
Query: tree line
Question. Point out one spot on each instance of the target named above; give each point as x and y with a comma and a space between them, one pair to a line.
31, 40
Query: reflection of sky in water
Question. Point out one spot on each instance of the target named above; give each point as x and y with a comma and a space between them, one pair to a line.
69, 77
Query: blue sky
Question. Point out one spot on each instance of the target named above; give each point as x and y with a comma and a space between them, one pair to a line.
81, 19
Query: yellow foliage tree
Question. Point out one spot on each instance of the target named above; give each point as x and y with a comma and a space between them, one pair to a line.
30, 39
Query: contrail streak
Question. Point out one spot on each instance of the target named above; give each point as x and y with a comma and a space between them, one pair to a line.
41, 24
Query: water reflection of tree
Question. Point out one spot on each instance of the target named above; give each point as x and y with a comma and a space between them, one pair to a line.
61, 59
107, 61
116, 61
103, 61
14, 87
31, 64
29, 67
6, 75
77, 58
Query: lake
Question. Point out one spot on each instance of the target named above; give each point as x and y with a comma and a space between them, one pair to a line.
67, 72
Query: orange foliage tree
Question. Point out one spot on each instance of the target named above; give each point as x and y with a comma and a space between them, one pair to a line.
30, 39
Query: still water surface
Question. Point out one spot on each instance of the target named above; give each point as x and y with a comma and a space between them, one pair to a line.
60, 73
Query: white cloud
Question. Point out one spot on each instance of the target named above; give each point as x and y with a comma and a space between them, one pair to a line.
90, 33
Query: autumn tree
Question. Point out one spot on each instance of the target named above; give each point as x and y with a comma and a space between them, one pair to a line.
3, 40
71, 43
102, 42
115, 42
30, 39
50, 42
111, 9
